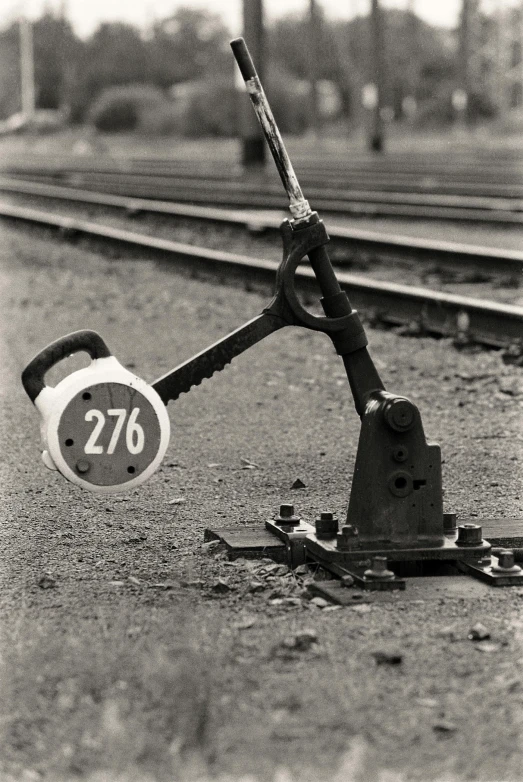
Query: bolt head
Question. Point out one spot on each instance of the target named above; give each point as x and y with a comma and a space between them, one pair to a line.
348, 537
83, 466
506, 558
326, 525
399, 414
506, 563
469, 535
287, 516
378, 569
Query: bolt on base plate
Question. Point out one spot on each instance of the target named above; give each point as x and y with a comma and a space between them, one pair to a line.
496, 571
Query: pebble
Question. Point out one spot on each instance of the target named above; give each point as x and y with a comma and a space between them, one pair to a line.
46, 581
256, 586
388, 657
444, 726
320, 602
478, 633
221, 586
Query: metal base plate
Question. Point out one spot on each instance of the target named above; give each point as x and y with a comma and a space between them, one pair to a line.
328, 551
250, 542
488, 573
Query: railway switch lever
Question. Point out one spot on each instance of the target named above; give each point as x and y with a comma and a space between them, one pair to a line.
106, 430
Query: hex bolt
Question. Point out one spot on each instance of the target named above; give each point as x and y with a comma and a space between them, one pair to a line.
399, 414
378, 570
326, 525
83, 466
449, 522
287, 517
469, 535
347, 538
506, 562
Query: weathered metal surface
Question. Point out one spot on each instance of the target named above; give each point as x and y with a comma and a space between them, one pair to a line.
494, 574
251, 541
418, 589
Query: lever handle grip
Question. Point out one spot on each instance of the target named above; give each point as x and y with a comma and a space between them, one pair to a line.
34, 373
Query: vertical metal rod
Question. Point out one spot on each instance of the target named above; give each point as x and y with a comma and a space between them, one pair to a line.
27, 68
299, 206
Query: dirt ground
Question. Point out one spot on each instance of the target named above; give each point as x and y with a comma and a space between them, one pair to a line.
132, 651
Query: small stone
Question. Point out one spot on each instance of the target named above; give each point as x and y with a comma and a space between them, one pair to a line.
278, 601
117, 583
489, 647
304, 639
177, 501
301, 570
320, 602
478, 633
245, 624
256, 586
362, 609
46, 581
210, 546
221, 587
388, 657
444, 726
134, 580
298, 484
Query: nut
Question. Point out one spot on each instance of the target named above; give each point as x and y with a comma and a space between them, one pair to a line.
326, 525
399, 414
83, 466
287, 516
378, 570
449, 522
347, 538
469, 535
506, 562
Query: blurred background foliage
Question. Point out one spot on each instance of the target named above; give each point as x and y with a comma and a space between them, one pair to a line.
178, 78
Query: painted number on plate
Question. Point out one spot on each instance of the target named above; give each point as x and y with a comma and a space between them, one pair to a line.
134, 434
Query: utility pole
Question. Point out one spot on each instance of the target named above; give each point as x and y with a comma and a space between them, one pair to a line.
27, 69
313, 62
253, 141
376, 139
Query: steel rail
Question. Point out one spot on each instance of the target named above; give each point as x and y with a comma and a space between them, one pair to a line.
459, 257
255, 197
223, 188
488, 323
369, 180
373, 182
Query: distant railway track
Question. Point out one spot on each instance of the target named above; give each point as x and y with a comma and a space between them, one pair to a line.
488, 323
328, 194
346, 242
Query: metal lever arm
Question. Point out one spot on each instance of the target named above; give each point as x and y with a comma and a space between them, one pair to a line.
216, 357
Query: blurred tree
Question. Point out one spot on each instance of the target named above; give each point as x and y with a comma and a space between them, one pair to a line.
188, 45
114, 54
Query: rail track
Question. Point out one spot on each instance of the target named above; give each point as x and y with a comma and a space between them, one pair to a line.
348, 196
346, 243
466, 319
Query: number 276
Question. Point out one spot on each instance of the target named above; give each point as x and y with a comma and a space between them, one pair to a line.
134, 434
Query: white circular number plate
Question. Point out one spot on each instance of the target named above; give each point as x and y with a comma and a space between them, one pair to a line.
109, 434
